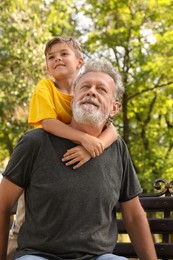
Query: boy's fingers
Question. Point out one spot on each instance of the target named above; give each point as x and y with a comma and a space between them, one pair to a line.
71, 162
69, 157
71, 151
77, 165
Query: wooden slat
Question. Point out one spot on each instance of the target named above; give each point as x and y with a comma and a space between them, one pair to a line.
162, 249
157, 226
157, 204
163, 225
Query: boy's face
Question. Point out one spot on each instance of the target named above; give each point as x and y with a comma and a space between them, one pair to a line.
62, 62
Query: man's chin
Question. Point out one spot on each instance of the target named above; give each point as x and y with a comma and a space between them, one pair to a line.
88, 118
88, 115
89, 108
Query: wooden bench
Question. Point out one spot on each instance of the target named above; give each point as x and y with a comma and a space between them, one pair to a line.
159, 210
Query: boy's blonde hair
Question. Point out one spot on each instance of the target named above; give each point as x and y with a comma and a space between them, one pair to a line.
71, 42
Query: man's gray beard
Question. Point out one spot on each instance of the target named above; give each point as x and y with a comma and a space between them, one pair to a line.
89, 115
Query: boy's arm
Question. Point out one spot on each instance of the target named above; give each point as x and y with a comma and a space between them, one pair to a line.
78, 155
108, 136
92, 144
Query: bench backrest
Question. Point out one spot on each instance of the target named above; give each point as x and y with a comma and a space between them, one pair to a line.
159, 210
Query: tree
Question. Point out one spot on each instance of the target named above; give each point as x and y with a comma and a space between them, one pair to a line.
25, 27
137, 36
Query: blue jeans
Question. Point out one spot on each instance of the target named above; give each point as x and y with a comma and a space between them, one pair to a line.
101, 257
110, 257
31, 257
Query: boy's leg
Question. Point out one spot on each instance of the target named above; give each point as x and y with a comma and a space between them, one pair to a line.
110, 257
13, 234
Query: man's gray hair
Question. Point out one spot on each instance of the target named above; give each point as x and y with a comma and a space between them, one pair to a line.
105, 67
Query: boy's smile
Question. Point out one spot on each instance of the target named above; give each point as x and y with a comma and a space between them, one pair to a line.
62, 61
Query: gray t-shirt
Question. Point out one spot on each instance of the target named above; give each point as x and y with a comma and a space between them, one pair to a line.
70, 214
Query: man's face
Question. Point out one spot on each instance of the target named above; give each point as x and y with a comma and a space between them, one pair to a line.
93, 100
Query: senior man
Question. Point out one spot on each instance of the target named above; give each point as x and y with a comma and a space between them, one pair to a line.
70, 214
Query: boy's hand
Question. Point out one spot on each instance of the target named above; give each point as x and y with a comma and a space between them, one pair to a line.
77, 155
93, 145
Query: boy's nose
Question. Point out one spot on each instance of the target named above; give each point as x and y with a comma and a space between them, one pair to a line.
58, 58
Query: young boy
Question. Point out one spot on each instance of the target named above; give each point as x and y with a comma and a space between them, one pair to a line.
50, 109
50, 103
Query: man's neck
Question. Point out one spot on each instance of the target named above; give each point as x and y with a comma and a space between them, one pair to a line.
89, 129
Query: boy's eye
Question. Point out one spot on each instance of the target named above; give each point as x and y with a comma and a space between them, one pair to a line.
64, 53
50, 57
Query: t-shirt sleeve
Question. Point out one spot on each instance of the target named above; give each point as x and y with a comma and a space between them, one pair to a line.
20, 165
130, 187
42, 103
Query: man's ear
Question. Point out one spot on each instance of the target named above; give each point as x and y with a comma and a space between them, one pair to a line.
115, 109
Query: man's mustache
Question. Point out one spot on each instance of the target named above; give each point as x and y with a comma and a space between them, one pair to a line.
91, 100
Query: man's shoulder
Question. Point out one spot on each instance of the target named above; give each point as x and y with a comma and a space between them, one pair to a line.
34, 139
120, 142
120, 145
39, 135
34, 135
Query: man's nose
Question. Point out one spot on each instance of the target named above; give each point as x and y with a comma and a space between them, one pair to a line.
91, 92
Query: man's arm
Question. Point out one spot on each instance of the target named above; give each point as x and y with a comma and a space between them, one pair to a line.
9, 194
138, 229
14, 231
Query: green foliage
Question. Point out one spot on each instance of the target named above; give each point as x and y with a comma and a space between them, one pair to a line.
25, 27
137, 37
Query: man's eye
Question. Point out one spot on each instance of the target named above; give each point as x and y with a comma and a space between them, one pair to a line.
85, 87
102, 89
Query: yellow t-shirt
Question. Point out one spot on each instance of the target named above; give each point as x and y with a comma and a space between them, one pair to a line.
48, 102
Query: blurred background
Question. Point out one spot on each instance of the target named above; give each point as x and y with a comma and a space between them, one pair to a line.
135, 35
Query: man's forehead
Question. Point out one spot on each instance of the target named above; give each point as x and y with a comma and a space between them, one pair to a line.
96, 77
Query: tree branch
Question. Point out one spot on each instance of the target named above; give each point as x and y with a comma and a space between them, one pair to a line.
149, 89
